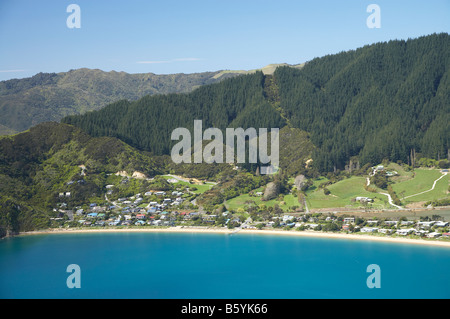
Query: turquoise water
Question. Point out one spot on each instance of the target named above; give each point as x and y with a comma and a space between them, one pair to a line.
169, 266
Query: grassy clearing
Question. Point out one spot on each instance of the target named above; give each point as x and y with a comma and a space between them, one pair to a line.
342, 194
246, 200
407, 183
423, 181
290, 201
201, 188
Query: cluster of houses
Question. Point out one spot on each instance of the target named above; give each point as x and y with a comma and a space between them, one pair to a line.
127, 216
429, 229
417, 228
134, 210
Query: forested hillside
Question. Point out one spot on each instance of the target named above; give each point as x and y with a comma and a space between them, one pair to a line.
379, 101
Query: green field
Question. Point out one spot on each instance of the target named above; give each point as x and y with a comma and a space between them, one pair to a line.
202, 188
407, 183
246, 200
342, 194
422, 181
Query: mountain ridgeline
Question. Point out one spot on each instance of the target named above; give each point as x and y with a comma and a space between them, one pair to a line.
51, 96
379, 101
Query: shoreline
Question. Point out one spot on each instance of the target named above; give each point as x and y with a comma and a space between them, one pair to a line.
310, 234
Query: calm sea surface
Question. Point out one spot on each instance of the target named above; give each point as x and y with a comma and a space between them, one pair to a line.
168, 265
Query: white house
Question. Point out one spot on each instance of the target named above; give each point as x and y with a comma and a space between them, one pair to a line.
369, 230
404, 232
421, 232
441, 224
287, 217
425, 224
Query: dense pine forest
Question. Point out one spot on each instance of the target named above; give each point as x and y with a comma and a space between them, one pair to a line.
381, 101
148, 123
377, 102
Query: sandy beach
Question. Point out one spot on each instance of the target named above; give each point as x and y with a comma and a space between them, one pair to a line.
180, 229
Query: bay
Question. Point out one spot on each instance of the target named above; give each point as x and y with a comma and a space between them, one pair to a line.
216, 266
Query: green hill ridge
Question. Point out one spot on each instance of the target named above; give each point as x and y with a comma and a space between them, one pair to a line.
51, 96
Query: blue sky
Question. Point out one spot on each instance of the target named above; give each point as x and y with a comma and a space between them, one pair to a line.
174, 36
